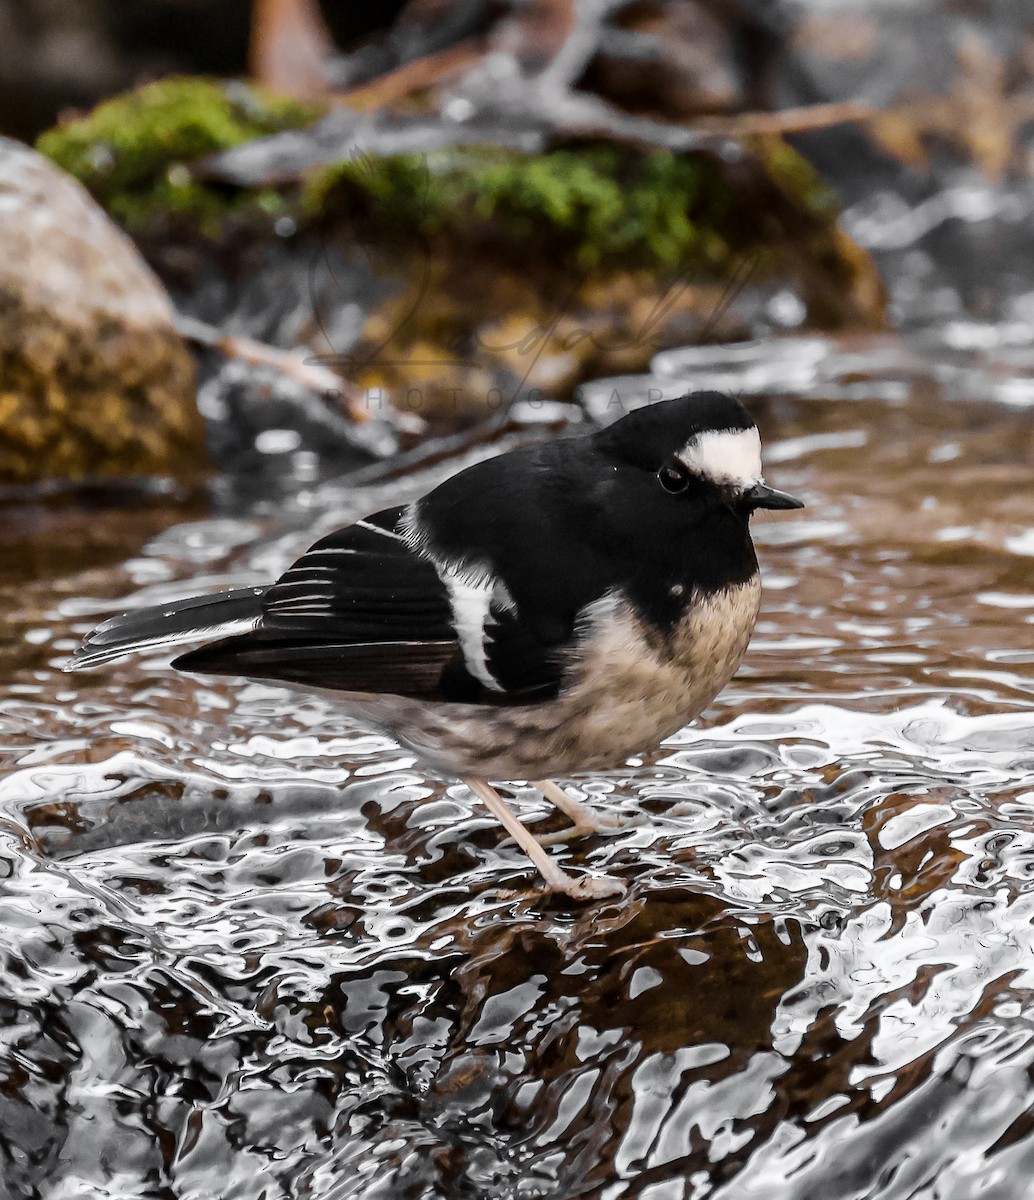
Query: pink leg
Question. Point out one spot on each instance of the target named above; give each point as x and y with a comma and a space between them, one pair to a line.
585, 887
584, 819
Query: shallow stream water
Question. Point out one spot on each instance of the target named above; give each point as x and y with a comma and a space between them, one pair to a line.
251, 950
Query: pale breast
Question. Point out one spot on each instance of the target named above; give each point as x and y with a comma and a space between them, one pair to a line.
638, 687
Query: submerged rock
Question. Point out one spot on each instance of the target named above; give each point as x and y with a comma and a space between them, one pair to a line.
94, 379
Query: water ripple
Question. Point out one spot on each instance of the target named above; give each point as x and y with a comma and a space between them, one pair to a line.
251, 950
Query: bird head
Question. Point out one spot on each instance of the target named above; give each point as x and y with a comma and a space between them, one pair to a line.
702, 448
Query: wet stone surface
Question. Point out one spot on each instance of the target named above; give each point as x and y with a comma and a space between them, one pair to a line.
252, 951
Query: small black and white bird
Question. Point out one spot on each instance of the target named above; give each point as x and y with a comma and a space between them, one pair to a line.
551, 611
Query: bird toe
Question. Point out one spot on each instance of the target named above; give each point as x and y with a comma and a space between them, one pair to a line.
592, 887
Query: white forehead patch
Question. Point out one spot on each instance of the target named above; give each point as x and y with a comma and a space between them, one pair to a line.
725, 456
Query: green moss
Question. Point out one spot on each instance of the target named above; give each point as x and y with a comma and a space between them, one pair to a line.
591, 206
797, 178
602, 205
132, 152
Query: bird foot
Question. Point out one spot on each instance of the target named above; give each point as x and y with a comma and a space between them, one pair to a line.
585, 887
588, 887
583, 819
590, 823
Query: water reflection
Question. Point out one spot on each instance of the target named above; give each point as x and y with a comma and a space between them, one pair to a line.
250, 950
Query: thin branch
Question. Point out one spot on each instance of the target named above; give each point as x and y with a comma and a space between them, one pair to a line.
788, 120
295, 365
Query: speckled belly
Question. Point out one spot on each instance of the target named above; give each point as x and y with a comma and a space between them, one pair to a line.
636, 689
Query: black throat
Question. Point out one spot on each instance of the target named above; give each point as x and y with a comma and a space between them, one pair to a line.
673, 572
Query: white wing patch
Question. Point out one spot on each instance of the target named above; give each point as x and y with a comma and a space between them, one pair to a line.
725, 456
472, 591
471, 601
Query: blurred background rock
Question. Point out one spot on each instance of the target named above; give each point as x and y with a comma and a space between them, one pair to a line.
445, 208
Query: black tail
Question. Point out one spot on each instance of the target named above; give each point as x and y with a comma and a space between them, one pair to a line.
194, 619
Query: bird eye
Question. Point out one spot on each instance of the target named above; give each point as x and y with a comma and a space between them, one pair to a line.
673, 477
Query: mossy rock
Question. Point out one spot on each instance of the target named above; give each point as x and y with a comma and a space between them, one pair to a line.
483, 241
94, 379
598, 206
132, 152
592, 207
532, 273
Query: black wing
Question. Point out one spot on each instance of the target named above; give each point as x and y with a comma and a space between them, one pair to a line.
363, 611
362, 584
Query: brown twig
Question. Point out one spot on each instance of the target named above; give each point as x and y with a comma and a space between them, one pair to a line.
430, 70
290, 48
787, 120
293, 364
